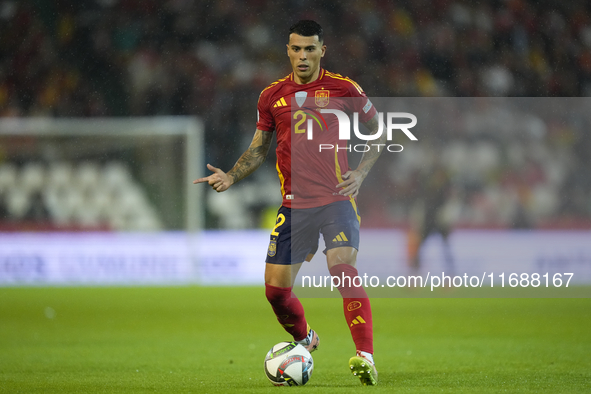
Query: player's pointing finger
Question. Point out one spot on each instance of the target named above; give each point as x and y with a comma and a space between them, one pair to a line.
209, 179
200, 180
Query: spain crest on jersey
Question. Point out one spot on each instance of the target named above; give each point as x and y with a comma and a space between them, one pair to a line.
272, 248
321, 97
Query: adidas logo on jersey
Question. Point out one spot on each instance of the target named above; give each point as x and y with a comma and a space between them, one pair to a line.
280, 103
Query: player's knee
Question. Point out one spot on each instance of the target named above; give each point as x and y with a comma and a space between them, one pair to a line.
343, 255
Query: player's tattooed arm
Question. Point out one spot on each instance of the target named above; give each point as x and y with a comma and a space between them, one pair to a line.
250, 160
253, 157
353, 179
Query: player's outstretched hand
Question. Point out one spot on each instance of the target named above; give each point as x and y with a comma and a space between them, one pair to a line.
351, 184
219, 180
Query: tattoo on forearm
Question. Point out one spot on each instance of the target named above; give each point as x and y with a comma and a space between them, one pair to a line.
369, 158
253, 157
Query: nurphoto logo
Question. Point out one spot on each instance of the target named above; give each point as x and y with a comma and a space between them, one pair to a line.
345, 130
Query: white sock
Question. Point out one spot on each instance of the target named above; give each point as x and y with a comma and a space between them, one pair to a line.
367, 355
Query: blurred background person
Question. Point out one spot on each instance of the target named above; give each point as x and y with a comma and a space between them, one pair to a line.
428, 217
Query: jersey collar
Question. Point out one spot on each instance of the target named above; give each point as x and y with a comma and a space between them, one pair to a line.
320, 76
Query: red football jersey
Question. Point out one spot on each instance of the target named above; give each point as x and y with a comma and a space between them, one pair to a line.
309, 174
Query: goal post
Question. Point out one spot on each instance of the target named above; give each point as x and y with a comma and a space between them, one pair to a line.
165, 154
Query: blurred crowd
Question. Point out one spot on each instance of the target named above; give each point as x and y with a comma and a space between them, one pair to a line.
89, 58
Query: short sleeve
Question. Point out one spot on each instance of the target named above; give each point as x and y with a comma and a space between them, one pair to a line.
362, 104
265, 121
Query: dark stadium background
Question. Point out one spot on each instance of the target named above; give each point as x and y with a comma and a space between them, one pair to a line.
212, 58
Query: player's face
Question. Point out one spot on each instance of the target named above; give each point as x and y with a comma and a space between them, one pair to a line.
304, 54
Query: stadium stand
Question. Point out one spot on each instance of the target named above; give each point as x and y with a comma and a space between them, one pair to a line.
66, 196
146, 57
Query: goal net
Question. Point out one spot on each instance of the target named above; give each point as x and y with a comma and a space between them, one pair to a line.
121, 174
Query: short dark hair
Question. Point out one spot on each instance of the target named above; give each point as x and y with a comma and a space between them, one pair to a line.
307, 28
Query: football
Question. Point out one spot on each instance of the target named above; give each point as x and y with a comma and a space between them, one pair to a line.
288, 364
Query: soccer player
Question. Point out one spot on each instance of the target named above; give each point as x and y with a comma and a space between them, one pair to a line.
429, 204
322, 200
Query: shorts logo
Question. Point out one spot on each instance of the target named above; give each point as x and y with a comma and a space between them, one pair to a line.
340, 237
272, 248
353, 305
321, 97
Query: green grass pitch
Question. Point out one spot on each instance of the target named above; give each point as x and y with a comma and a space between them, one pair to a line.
214, 339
